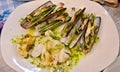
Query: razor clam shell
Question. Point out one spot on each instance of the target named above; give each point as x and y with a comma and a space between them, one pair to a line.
24, 24
49, 3
98, 23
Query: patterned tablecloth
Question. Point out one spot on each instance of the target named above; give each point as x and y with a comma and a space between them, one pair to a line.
7, 6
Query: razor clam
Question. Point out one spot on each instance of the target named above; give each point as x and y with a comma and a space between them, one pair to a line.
37, 15
91, 33
69, 30
55, 23
78, 33
50, 17
68, 27
57, 12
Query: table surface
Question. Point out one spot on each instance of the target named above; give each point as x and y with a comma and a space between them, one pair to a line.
115, 14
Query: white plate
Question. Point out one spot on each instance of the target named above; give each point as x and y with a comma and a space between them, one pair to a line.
102, 55
114, 67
